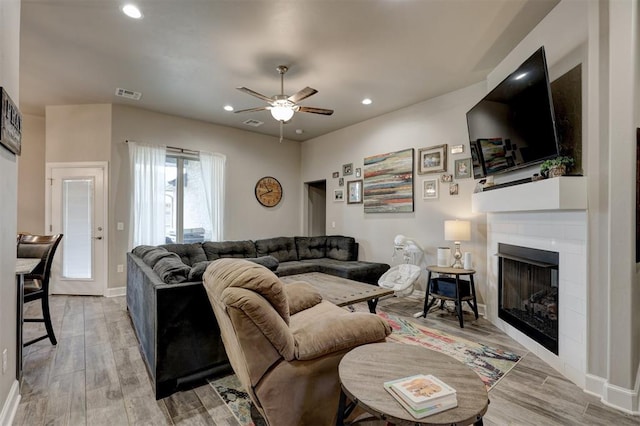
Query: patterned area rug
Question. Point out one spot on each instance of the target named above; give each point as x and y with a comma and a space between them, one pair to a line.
490, 364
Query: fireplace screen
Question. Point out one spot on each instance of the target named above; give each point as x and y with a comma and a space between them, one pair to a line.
528, 292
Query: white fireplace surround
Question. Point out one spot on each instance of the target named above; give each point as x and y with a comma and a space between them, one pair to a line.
546, 215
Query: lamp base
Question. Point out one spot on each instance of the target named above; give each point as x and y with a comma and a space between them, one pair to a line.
457, 255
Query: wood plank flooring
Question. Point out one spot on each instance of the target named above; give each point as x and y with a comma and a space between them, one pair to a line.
96, 376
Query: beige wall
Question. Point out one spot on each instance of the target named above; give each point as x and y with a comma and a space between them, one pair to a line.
9, 68
250, 156
78, 133
31, 176
437, 121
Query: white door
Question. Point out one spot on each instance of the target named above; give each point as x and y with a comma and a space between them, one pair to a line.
77, 200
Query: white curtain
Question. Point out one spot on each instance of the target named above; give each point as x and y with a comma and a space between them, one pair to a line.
212, 166
147, 200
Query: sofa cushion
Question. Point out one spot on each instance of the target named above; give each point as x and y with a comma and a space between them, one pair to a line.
215, 250
311, 247
150, 254
195, 274
301, 295
297, 267
282, 248
341, 248
269, 262
365, 272
171, 270
189, 253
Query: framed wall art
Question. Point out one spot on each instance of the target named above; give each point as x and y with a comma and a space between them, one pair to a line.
453, 189
10, 124
388, 182
354, 192
457, 149
432, 159
462, 168
430, 189
335, 175
347, 169
338, 195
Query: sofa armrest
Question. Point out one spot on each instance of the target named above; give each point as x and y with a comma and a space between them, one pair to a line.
332, 333
301, 295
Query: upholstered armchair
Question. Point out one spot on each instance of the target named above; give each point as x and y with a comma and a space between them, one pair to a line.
284, 342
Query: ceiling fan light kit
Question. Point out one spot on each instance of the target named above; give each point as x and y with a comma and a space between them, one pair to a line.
283, 107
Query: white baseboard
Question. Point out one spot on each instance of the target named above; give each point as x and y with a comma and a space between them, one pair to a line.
622, 399
10, 406
116, 291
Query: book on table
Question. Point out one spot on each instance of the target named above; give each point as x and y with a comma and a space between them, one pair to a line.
422, 395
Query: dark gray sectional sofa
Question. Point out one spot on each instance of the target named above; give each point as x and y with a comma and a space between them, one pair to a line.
173, 320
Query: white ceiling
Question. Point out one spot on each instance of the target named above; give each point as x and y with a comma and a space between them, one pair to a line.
188, 56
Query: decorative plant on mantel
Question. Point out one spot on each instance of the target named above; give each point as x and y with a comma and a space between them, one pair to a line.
558, 166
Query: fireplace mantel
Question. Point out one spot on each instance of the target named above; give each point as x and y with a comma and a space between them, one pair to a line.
561, 193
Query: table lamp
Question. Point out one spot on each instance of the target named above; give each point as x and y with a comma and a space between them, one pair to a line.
456, 231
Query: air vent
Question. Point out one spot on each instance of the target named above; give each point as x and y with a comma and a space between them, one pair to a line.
129, 94
253, 123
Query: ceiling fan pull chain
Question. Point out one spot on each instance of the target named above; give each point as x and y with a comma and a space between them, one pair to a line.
281, 122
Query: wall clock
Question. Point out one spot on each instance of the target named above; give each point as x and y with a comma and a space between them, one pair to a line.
268, 191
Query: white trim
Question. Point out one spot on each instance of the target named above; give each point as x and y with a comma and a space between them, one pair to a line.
625, 400
116, 291
10, 406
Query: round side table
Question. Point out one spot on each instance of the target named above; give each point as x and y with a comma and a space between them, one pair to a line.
457, 290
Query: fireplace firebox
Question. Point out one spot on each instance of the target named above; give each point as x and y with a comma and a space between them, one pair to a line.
528, 292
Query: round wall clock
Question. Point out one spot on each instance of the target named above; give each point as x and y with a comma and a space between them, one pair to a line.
268, 191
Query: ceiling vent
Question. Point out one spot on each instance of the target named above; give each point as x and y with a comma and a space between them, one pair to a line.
129, 94
253, 123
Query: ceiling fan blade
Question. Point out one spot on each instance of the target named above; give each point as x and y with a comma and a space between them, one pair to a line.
254, 93
252, 109
302, 94
314, 110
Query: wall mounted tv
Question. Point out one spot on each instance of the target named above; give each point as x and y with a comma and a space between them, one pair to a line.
514, 126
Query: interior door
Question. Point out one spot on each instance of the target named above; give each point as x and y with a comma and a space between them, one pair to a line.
77, 199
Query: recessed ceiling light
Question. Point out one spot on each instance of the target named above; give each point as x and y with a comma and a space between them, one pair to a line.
228, 108
518, 77
299, 131
132, 11
367, 101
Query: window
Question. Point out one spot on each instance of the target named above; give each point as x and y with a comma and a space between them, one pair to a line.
176, 196
186, 218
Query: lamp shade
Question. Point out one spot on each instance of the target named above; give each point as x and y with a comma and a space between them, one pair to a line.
457, 230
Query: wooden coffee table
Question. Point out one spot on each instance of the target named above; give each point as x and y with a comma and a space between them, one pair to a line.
364, 370
341, 291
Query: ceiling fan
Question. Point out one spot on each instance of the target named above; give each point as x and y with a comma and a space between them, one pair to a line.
282, 107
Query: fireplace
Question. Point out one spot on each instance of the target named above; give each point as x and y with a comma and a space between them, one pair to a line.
528, 292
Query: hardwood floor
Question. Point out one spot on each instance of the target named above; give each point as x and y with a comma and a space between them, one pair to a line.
96, 376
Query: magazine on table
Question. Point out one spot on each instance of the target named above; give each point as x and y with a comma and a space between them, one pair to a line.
422, 395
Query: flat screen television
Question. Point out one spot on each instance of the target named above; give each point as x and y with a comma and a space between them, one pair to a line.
514, 125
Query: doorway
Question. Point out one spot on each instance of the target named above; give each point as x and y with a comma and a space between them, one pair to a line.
317, 208
76, 203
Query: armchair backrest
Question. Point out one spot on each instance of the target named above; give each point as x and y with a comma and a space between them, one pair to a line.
252, 310
39, 246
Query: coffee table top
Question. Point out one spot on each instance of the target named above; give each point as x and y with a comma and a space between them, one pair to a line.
364, 370
337, 290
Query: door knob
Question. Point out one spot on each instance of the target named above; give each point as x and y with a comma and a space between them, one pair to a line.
97, 238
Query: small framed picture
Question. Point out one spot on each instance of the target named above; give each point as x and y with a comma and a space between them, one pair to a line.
446, 178
358, 172
341, 182
430, 189
432, 159
457, 149
354, 192
336, 175
453, 189
462, 168
347, 169
338, 195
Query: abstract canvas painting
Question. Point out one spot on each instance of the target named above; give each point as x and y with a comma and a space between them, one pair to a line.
388, 182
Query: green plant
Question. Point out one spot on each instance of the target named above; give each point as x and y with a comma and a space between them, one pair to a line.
561, 160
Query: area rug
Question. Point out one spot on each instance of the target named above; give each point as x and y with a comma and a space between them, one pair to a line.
491, 364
